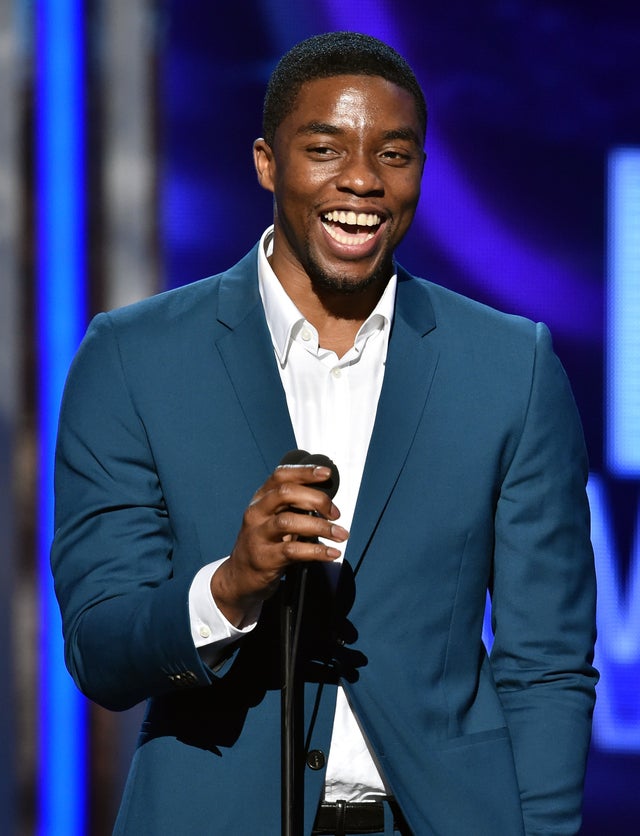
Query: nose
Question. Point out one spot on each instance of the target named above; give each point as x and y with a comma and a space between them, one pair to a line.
359, 175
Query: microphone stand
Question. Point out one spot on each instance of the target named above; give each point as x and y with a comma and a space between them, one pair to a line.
292, 689
291, 703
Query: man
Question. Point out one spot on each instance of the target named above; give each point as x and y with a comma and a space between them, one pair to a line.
462, 468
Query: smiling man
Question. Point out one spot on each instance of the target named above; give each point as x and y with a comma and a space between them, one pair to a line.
345, 168
462, 470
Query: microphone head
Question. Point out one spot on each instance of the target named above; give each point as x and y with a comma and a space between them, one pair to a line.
329, 486
293, 457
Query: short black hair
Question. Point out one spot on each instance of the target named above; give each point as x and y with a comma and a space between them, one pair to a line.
329, 55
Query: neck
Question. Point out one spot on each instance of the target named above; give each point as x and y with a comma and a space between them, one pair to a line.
337, 315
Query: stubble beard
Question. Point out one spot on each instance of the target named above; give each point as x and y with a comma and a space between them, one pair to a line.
335, 284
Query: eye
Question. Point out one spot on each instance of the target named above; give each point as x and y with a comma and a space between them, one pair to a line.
396, 156
321, 151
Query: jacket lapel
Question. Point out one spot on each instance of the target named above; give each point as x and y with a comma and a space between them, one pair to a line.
411, 364
247, 353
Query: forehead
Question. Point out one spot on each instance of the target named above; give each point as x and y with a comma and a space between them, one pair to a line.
354, 101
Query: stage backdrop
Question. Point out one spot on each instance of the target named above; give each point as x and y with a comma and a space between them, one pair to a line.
531, 203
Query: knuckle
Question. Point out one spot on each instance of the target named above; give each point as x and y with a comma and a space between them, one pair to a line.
290, 549
285, 489
283, 521
283, 473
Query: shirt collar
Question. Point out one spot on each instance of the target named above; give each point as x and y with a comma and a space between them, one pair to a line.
285, 320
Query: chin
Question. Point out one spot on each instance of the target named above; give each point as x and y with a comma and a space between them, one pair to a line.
344, 283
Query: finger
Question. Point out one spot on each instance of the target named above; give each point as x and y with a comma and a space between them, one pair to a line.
290, 524
295, 474
300, 496
299, 550
302, 473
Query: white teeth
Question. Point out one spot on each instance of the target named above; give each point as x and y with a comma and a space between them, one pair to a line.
345, 238
361, 220
351, 219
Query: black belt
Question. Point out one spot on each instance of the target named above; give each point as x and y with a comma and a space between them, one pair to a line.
350, 817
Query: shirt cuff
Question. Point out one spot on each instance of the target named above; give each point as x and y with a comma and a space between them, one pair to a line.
210, 630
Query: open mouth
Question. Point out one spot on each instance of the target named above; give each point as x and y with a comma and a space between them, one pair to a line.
350, 228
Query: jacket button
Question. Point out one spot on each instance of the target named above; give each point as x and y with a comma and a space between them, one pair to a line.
315, 759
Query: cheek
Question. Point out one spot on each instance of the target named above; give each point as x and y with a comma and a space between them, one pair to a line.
409, 196
303, 182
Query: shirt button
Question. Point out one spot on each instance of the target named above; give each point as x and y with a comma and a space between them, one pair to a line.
204, 631
336, 372
315, 759
305, 334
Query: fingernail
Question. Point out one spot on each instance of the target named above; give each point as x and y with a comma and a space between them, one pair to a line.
339, 532
321, 470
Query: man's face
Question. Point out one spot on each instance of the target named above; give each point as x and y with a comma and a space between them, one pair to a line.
345, 171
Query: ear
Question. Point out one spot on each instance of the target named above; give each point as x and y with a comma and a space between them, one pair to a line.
264, 162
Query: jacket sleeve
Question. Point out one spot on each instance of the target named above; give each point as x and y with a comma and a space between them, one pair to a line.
125, 612
543, 602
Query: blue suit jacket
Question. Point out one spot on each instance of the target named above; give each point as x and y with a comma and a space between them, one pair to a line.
174, 414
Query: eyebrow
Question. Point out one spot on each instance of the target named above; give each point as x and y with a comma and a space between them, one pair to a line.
318, 128
311, 128
403, 133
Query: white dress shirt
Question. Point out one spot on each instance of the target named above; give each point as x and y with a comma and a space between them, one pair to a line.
332, 404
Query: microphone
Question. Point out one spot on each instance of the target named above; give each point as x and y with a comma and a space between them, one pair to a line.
329, 486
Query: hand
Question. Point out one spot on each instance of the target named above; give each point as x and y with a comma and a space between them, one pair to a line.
270, 541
